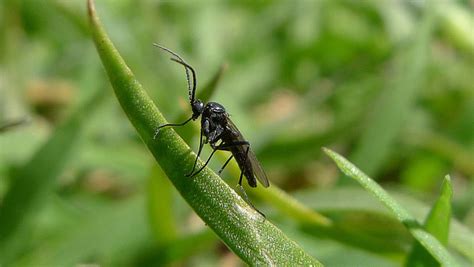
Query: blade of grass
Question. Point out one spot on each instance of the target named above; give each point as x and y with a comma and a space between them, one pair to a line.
355, 199
437, 223
292, 207
337, 253
436, 249
458, 23
160, 206
459, 155
36, 178
159, 189
282, 201
275, 196
211, 86
181, 248
5, 126
395, 102
177, 251
102, 234
254, 239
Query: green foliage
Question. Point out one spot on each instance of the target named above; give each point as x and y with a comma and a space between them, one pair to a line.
395, 101
388, 84
437, 223
241, 228
36, 179
429, 242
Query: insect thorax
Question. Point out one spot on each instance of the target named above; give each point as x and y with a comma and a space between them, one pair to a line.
213, 121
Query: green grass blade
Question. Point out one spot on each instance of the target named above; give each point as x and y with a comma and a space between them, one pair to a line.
183, 247
436, 249
347, 199
104, 234
160, 206
210, 87
5, 126
459, 155
254, 239
292, 207
437, 223
36, 178
283, 202
395, 103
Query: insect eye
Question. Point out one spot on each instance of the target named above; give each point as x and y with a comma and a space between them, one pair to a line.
197, 107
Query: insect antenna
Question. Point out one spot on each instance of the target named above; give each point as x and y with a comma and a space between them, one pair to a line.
180, 60
187, 66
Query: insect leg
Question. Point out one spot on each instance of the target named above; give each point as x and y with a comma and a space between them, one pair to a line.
240, 182
242, 190
170, 125
246, 198
226, 146
205, 164
201, 144
219, 147
225, 164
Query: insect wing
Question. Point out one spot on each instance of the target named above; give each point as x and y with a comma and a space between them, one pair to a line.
257, 169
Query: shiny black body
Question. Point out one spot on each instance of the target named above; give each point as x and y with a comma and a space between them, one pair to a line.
216, 126
220, 133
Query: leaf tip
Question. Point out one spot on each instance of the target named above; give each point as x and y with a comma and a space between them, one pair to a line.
326, 150
91, 8
446, 187
329, 152
447, 178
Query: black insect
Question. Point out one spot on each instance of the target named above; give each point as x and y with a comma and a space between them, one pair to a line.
220, 132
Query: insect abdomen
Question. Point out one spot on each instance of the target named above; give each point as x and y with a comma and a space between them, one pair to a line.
244, 164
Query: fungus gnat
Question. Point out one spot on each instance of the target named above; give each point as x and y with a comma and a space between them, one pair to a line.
220, 132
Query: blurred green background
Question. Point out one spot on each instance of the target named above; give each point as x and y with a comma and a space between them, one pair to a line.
388, 84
